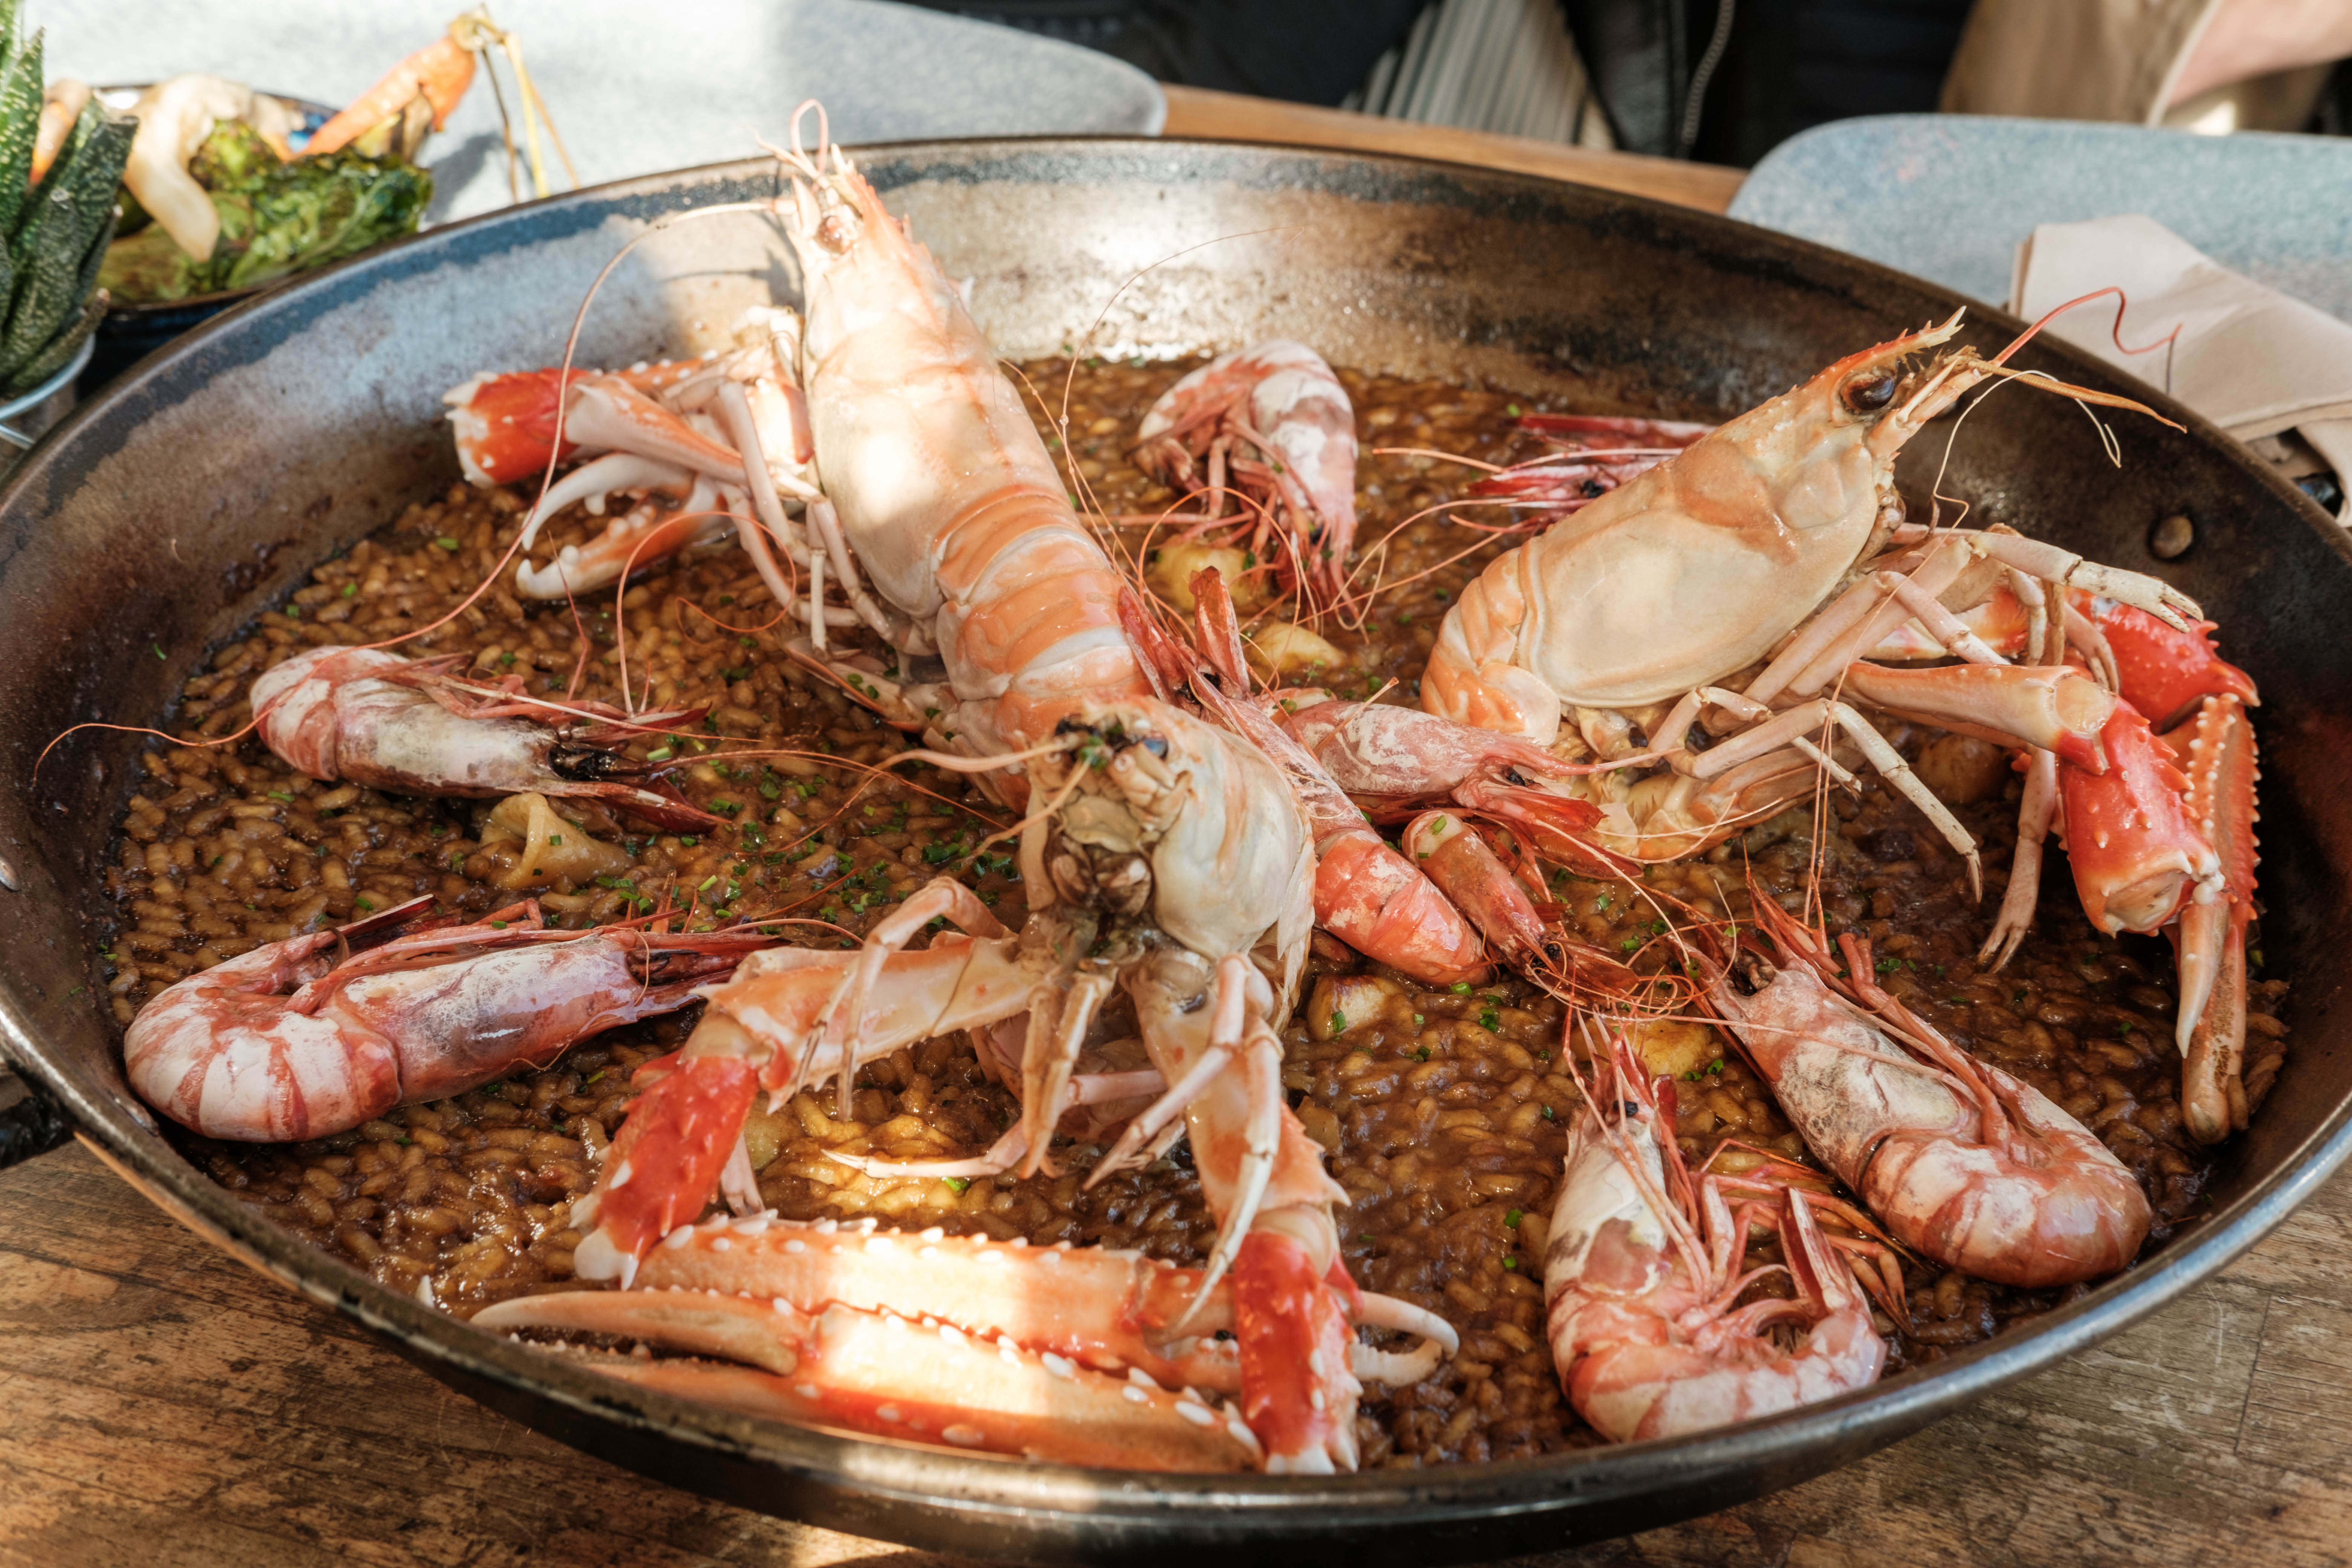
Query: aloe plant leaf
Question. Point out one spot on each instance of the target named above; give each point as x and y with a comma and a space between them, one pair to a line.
20, 121
55, 241
61, 348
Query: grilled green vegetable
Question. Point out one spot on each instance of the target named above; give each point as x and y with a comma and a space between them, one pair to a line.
56, 232
276, 217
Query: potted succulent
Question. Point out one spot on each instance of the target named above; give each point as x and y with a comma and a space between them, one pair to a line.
59, 174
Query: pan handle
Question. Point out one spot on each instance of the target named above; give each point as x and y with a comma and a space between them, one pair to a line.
30, 1122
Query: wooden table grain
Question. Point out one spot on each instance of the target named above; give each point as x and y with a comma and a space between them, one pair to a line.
1197, 111
161, 1406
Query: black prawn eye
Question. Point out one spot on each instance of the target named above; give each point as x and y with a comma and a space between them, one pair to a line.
1870, 397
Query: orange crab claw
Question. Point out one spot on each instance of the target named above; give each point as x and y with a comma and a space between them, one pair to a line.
2216, 747
1294, 1344
664, 1163
2164, 672
2137, 853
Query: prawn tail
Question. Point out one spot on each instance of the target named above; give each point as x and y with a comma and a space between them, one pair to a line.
1374, 900
664, 1163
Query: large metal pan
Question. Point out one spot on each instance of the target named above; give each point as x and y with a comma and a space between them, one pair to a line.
206, 483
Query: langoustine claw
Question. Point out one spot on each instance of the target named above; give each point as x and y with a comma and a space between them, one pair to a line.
1960, 1162
1085, 1355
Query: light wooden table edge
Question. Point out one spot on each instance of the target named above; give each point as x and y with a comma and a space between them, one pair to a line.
1194, 111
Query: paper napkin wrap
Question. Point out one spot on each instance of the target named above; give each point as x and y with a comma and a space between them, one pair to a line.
2266, 368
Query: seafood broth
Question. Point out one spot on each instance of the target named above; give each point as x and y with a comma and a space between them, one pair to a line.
1446, 1111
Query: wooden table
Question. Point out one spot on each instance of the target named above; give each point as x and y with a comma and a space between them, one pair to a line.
1197, 111
160, 1406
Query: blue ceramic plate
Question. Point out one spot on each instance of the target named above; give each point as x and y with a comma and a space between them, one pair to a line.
1949, 197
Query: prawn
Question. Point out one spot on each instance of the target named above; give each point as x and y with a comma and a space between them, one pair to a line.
1960, 1162
315, 1034
410, 727
1273, 423
1642, 1266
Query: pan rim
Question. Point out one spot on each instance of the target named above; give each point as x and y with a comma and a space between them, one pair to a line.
943, 1492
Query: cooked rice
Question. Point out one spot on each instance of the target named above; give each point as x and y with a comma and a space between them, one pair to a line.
1445, 1110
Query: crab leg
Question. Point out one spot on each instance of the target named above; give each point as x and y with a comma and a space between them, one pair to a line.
1058, 1017
2018, 904
1784, 729
2057, 707
2047, 561
2217, 750
929, 1383
1859, 618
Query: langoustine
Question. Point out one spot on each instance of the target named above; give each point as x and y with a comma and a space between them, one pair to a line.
1162, 858
315, 1034
1777, 541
